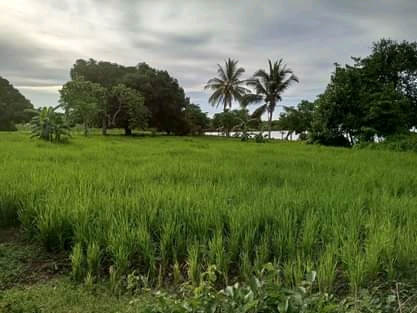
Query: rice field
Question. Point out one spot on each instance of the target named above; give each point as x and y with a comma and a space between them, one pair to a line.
168, 207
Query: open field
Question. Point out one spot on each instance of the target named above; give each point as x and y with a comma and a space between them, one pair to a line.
167, 207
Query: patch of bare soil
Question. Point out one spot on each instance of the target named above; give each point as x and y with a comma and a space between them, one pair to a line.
26, 263
42, 268
8, 234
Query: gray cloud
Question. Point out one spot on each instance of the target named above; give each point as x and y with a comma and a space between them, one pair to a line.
24, 64
39, 44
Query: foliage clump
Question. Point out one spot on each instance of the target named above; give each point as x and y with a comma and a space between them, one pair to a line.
376, 97
49, 125
13, 107
400, 143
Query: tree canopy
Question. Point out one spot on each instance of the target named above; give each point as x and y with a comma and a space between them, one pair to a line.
13, 106
196, 121
297, 120
81, 100
377, 96
228, 86
48, 124
163, 97
269, 86
162, 105
130, 111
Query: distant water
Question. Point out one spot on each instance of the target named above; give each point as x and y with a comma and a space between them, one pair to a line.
274, 134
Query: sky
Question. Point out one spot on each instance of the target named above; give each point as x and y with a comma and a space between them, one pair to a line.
40, 40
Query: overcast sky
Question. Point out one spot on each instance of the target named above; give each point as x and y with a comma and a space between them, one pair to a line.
41, 39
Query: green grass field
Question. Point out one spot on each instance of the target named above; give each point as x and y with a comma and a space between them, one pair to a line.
168, 207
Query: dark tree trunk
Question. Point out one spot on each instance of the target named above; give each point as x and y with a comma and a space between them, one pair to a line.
269, 124
128, 131
104, 126
288, 135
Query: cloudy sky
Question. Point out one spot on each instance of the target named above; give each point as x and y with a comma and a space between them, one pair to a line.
41, 39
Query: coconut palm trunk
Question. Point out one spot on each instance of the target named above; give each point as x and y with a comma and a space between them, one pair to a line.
85, 128
269, 124
268, 87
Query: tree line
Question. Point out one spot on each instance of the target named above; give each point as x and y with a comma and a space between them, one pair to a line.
109, 95
376, 96
12, 106
264, 87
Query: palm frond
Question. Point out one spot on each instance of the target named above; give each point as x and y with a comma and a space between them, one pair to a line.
251, 98
228, 86
216, 98
259, 111
221, 72
213, 83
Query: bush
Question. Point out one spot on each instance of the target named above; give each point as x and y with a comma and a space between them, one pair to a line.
49, 125
403, 142
329, 139
260, 138
263, 293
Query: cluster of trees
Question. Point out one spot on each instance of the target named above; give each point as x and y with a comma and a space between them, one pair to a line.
376, 96
109, 95
13, 106
234, 120
264, 87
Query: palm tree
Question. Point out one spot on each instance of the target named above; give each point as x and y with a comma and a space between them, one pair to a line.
268, 89
228, 86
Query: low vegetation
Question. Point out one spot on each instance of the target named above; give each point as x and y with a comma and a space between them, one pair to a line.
399, 143
170, 224
373, 98
168, 208
30, 281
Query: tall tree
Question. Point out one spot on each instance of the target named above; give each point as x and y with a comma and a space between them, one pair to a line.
163, 96
104, 73
130, 111
196, 121
82, 100
297, 119
375, 96
269, 86
13, 106
392, 65
228, 86
341, 110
